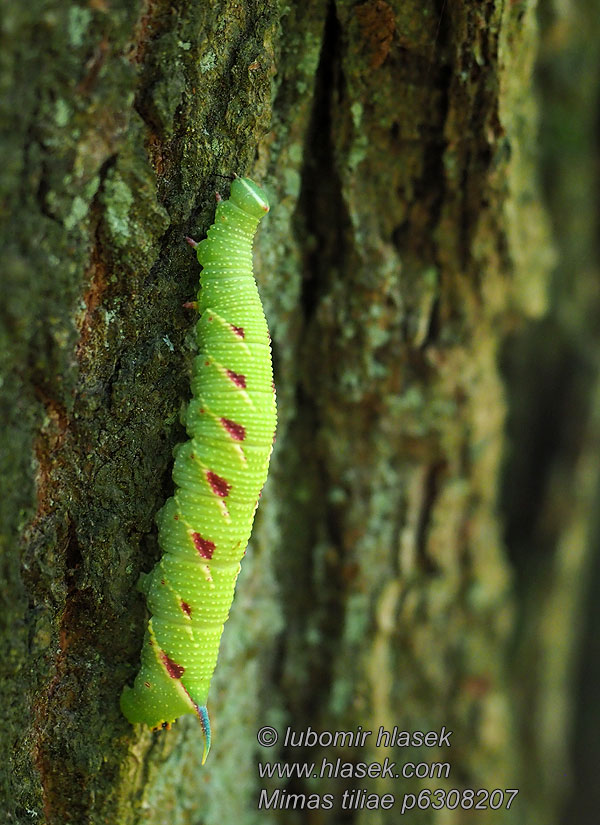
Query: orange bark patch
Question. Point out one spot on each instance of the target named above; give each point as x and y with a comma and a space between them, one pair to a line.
378, 24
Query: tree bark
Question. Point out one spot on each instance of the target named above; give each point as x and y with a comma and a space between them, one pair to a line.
419, 553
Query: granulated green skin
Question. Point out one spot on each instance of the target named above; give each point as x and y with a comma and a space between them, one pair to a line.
219, 473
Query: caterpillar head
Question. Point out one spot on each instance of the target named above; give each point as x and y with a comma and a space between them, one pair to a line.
248, 196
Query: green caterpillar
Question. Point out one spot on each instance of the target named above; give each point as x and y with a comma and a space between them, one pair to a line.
204, 528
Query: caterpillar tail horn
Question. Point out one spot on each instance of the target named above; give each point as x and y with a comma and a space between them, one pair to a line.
205, 722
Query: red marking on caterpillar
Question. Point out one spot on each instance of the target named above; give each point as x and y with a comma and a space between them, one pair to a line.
239, 331
238, 379
205, 547
174, 670
236, 431
186, 608
220, 486
162, 581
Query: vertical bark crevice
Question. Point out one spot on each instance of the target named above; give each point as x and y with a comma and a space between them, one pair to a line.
316, 577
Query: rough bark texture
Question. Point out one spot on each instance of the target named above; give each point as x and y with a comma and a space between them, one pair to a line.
391, 578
